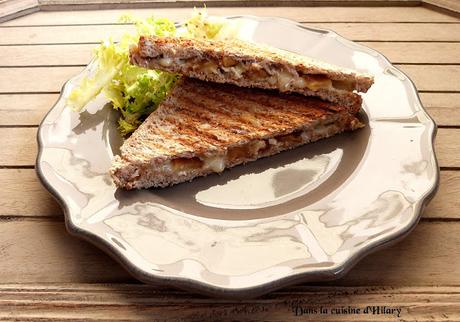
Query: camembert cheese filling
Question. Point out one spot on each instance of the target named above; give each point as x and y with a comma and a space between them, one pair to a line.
283, 79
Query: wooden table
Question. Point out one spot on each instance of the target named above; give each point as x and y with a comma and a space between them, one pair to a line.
45, 273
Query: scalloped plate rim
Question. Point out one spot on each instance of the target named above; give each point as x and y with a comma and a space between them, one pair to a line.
335, 272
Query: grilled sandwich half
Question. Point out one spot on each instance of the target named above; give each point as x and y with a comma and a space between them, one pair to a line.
249, 65
205, 127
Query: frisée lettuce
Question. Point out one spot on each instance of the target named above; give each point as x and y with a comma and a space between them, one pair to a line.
133, 90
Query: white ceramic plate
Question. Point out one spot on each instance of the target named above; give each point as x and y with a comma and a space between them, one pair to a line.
304, 215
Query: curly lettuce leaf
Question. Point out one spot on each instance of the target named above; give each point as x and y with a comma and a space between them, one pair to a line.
133, 90
201, 26
110, 61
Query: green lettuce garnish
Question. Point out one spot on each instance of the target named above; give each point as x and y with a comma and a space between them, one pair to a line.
133, 90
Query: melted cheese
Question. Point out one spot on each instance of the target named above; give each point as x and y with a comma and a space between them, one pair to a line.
209, 67
345, 85
237, 70
315, 84
324, 130
284, 80
216, 163
300, 82
184, 164
228, 61
165, 61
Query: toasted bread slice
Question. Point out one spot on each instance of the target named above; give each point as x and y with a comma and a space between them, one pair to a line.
249, 65
204, 127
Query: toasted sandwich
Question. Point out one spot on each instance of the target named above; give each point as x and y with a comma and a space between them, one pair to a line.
203, 127
249, 65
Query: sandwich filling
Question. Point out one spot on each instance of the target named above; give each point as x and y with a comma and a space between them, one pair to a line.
281, 78
251, 150
252, 65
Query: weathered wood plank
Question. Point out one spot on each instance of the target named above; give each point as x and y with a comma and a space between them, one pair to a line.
51, 79
41, 251
355, 31
29, 109
451, 7
416, 52
25, 109
43, 55
308, 14
446, 203
25, 196
19, 147
80, 54
443, 107
62, 34
447, 147
448, 100
104, 4
394, 31
38, 250
130, 301
434, 77
35, 79
114, 3
10, 9
412, 257
444, 116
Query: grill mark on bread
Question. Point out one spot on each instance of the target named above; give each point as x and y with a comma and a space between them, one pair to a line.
297, 104
221, 115
186, 135
165, 142
192, 128
169, 136
163, 146
279, 116
266, 115
225, 113
269, 101
242, 118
